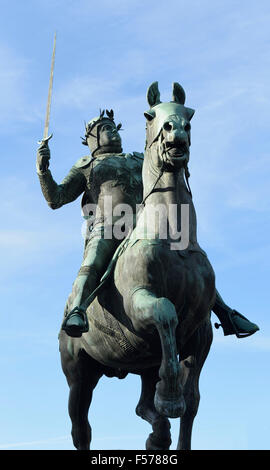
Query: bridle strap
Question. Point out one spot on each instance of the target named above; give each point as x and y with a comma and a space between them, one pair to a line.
153, 187
162, 171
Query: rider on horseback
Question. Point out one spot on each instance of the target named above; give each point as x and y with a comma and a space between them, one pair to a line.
107, 172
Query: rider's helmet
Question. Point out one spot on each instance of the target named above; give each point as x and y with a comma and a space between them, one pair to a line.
92, 129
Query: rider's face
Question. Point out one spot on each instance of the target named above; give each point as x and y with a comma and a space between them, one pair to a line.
108, 135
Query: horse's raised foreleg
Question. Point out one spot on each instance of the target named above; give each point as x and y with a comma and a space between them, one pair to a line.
82, 375
160, 438
151, 312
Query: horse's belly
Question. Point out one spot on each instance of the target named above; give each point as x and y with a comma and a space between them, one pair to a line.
112, 344
118, 359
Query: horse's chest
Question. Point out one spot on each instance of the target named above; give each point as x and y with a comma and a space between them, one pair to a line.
181, 277
190, 280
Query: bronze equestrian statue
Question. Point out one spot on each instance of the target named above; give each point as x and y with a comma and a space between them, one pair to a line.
156, 302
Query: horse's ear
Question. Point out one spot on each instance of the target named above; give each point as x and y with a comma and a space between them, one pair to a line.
178, 94
153, 95
149, 114
190, 113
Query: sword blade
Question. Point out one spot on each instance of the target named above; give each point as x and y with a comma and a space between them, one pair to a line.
48, 110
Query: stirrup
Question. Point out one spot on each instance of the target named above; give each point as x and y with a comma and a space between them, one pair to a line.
75, 330
232, 328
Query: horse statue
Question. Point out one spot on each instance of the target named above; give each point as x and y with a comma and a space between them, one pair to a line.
152, 316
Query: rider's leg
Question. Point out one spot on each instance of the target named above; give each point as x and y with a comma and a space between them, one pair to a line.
97, 256
232, 321
86, 281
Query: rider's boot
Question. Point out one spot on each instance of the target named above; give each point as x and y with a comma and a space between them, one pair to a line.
75, 322
232, 322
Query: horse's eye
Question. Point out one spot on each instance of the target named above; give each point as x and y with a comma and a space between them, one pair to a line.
187, 127
167, 126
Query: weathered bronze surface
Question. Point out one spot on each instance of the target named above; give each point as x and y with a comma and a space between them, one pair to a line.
151, 315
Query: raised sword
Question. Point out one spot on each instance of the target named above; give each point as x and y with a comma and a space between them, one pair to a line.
46, 136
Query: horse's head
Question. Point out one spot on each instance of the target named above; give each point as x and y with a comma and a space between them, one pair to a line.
168, 129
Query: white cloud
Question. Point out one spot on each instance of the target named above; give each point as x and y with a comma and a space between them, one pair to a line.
83, 92
14, 75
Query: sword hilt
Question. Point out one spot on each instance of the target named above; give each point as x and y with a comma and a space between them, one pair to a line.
45, 140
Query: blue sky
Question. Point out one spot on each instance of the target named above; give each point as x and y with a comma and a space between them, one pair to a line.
107, 54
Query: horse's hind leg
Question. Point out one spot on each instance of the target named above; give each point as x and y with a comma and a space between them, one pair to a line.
192, 367
192, 399
160, 438
151, 312
82, 375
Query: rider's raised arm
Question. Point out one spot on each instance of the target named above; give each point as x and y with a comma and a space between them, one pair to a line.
59, 194
71, 187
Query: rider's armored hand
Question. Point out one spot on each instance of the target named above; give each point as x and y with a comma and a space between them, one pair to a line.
43, 157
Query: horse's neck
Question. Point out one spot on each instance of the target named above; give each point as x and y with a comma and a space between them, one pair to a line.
166, 195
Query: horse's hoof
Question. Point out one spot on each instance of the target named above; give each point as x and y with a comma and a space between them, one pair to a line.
172, 408
154, 444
